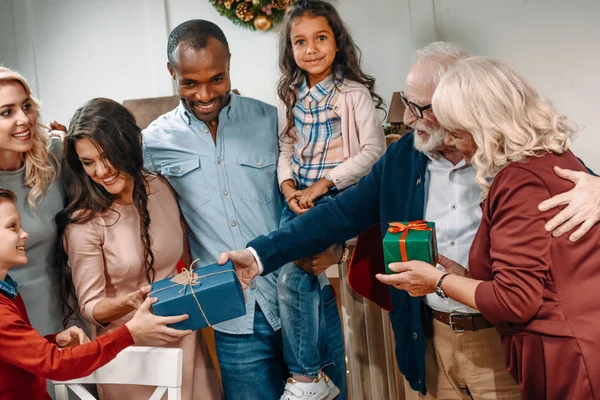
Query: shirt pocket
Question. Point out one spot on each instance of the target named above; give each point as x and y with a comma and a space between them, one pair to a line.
188, 180
259, 177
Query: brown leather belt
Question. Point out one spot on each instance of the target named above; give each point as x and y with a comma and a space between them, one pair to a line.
462, 322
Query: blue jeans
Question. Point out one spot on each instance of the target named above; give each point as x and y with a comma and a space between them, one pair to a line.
301, 310
253, 366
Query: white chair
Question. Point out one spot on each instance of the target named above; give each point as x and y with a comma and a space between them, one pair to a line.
136, 365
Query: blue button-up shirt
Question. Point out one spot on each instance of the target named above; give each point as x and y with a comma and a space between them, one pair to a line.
8, 287
227, 191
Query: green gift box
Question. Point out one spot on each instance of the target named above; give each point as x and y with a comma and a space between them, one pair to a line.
408, 241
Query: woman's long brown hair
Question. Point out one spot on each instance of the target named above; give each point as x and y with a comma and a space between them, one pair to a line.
114, 131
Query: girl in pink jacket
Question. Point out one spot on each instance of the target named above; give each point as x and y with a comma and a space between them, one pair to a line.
330, 137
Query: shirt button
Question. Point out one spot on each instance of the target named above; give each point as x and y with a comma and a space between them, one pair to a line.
260, 163
453, 206
452, 243
225, 192
418, 181
234, 224
219, 161
178, 169
205, 130
415, 335
253, 286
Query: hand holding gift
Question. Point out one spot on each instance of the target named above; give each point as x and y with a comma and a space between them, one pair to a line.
410, 252
148, 329
246, 267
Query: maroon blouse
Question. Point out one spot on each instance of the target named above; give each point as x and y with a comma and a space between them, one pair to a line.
541, 292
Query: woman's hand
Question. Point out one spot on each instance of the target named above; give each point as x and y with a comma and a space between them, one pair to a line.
313, 192
109, 309
134, 300
416, 277
453, 267
73, 336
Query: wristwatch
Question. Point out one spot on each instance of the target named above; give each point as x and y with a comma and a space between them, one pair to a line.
438, 289
345, 254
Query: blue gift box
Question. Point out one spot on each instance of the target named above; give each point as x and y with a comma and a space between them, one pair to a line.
212, 295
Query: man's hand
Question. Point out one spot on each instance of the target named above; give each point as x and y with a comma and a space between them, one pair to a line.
148, 329
246, 267
71, 337
319, 263
313, 192
582, 205
416, 277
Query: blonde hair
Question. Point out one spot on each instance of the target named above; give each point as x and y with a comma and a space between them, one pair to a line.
444, 54
41, 166
507, 118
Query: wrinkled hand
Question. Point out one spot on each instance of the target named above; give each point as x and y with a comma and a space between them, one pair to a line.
453, 267
246, 267
319, 263
148, 329
73, 336
313, 192
583, 205
416, 277
135, 299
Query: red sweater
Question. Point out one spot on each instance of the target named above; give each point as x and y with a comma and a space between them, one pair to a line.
28, 359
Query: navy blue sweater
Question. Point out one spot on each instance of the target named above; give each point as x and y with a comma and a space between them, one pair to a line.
393, 191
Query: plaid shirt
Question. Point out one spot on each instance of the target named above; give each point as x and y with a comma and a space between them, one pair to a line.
319, 147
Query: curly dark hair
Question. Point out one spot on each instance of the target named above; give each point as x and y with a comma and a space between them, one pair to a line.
346, 64
113, 129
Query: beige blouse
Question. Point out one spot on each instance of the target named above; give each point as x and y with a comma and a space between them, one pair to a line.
106, 258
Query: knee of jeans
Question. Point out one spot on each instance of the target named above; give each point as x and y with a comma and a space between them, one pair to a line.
292, 278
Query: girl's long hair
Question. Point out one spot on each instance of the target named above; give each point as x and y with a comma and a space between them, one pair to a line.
113, 130
346, 64
42, 167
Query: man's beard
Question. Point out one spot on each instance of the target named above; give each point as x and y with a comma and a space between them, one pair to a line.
435, 141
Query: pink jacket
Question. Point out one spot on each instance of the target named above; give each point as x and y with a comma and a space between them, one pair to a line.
362, 136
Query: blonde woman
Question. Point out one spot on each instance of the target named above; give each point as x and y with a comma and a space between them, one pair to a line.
539, 290
29, 166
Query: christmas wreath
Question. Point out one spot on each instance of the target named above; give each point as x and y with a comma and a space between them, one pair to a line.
253, 14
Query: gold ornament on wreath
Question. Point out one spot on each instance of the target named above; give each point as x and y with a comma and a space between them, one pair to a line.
253, 14
244, 12
281, 4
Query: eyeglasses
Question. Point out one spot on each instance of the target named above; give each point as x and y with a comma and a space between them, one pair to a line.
416, 109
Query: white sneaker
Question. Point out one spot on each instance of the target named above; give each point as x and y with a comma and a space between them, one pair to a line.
321, 388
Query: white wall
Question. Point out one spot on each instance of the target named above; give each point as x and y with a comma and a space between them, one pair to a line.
555, 44
8, 45
74, 50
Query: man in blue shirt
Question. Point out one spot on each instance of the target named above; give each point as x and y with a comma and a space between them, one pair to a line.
218, 151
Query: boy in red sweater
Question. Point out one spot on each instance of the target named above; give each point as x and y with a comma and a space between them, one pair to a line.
28, 359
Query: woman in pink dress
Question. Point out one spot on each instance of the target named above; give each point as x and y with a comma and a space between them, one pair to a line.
121, 231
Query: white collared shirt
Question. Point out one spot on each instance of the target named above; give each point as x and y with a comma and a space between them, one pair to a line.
452, 202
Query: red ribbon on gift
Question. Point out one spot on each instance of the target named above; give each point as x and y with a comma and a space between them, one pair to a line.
397, 227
